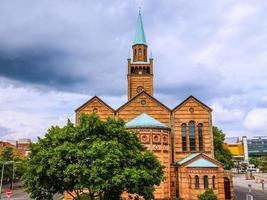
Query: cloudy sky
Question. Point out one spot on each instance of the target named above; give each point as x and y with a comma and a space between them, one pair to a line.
55, 55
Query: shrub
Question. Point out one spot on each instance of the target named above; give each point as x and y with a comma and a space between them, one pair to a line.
208, 195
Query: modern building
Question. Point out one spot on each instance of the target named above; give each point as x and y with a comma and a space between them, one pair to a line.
181, 137
257, 146
238, 147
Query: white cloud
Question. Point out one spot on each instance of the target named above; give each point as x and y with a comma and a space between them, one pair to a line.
28, 113
225, 115
256, 120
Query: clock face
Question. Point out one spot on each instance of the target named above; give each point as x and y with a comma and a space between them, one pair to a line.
139, 89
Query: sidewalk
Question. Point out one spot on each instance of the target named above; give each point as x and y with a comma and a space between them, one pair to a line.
239, 180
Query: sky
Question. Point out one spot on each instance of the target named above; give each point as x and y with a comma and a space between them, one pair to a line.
55, 55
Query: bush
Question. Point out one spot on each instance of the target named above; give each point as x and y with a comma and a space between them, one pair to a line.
208, 195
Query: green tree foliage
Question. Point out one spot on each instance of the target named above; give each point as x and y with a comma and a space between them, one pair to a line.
254, 161
102, 158
263, 164
16, 164
222, 155
208, 195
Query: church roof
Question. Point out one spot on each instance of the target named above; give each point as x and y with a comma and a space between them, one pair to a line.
139, 37
139, 94
93, 98
192, 97
201, 162
144, 121
187, 158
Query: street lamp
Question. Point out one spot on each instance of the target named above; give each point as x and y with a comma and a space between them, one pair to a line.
2, 174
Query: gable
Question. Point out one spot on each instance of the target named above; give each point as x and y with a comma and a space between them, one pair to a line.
202, 162
199, 160
191, 101
95, 105
144, 103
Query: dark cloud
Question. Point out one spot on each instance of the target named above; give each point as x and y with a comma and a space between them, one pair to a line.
4, 131
38, 66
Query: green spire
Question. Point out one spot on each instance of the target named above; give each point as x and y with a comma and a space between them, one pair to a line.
139, 37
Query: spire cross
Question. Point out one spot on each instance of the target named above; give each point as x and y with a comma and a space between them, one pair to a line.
139, 9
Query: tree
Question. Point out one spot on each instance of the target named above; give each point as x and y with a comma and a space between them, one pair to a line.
208, 195
254, 161
263, 164
100, 158
222, 155
7, 155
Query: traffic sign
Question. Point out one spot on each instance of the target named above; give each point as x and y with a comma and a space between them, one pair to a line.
9, 193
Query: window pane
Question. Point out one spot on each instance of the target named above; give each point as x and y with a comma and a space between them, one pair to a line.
192, 136
196, 182
206, 182
200, 136
184, 136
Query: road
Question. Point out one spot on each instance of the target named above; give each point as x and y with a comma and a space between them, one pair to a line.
241, 188
20, 194
240, 193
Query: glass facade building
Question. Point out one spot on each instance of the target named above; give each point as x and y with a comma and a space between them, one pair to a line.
257, 146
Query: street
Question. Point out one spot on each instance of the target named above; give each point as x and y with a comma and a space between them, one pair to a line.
241, 188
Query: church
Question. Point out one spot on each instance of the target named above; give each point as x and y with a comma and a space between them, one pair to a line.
180, 137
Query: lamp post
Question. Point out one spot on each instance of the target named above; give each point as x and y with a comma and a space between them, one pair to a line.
2, 174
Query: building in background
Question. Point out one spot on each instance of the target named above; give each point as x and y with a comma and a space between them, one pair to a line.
20, 147
238, 147
257, 146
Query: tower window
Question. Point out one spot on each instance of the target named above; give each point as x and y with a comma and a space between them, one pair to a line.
148, 70
184, 136
139, 51
139, 89
140, 70
200, 136
196, 182
192, 138
135, 52
206, 182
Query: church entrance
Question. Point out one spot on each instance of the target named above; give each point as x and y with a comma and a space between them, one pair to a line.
227, 188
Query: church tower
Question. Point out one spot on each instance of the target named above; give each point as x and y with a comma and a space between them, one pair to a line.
140, 68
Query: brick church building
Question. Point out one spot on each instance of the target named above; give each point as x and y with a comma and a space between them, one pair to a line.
181, 137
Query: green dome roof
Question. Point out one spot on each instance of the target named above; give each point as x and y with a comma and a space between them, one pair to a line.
144, 121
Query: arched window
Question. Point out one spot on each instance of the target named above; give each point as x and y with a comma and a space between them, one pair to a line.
184, 136
206, 182
136, 70
190, 181
139, 52
200, 136
148, 70
144, 52
192, 137
135, 52
144, 70
213, 182
140, 70
196, 182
